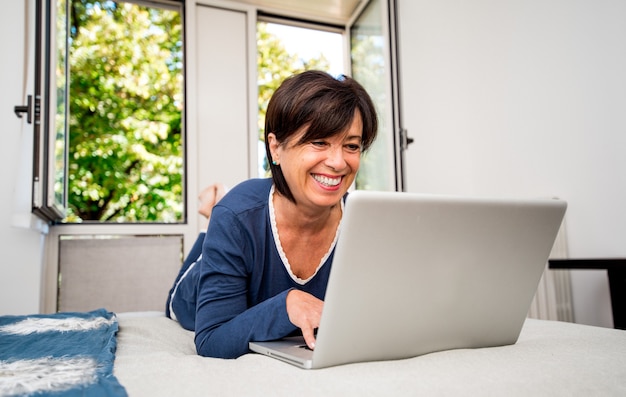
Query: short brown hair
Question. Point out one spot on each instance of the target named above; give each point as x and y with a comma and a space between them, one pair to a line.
326, 105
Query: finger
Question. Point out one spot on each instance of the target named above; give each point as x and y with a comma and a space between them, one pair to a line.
309, 337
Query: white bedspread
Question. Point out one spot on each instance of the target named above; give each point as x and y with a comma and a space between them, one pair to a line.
156, 357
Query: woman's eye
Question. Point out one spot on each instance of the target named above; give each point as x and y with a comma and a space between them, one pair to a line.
353, 147
318, 143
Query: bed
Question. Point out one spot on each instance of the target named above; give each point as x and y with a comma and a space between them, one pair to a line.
153, 356
156, 357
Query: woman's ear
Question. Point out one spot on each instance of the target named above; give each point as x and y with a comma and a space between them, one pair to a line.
273, 145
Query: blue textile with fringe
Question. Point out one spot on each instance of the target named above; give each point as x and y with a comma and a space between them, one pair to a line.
62, 354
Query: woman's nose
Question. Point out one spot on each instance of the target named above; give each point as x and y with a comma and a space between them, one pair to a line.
335, 157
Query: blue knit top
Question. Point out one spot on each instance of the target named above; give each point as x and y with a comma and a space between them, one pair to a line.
243, 277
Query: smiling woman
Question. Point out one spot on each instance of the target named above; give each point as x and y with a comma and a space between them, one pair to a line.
269, 246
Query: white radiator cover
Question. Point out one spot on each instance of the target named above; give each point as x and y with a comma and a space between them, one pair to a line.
553, 299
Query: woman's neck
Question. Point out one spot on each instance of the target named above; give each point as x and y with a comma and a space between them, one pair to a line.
306, 219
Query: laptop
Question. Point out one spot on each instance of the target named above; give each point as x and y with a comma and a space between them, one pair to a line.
415, 274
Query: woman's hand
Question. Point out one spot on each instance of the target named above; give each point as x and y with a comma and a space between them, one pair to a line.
305, 311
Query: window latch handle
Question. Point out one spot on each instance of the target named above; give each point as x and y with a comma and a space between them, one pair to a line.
20, 109
405, 139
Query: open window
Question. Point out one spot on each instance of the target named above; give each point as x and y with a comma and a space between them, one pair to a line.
108, 111
49, 151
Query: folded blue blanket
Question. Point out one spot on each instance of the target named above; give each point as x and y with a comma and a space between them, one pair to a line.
62, 354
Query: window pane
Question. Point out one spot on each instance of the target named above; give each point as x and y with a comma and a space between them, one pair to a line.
370, 68
126, 158
60, 119
284, 50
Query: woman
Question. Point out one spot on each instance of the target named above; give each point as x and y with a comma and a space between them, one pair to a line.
269, 245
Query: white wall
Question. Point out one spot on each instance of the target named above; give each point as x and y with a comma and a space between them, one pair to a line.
508, 98
20, 263
523, 98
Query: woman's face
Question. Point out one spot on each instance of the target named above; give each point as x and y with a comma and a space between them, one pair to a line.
320, 172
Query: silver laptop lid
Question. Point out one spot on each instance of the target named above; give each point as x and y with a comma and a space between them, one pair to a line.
414, 274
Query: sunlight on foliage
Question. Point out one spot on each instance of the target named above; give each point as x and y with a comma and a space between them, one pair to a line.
125, 118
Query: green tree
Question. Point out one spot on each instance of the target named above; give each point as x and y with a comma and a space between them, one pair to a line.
125, 112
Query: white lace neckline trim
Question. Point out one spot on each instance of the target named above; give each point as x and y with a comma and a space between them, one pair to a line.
279, 247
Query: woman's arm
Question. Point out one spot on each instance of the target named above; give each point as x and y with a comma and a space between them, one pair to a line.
226, 318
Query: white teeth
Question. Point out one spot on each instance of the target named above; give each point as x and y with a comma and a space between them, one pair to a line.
324, 180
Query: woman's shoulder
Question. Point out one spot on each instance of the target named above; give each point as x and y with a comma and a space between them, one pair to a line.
254, 189
254, 184
247, 195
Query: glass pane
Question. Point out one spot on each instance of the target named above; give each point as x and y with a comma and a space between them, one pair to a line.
125, 113
370, 68
284, 50
59, 148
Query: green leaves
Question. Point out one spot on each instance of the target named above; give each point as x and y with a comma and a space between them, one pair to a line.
125, 114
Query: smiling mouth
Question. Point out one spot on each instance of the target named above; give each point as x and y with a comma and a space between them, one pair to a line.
327, 181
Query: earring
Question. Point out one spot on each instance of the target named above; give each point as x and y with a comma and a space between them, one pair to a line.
274, 162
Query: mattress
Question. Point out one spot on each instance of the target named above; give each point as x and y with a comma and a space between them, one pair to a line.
156, 357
